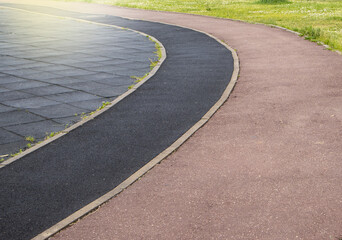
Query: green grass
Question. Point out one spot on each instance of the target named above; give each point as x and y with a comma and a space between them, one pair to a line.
29, 139
158, 53
273, 1
318, 20
104, 104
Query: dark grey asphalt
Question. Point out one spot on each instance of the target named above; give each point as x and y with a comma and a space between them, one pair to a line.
46, 186
53, 69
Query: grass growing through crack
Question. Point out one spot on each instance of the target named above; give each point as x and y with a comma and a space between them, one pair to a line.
29, 139
32, 141
317, 20
104, 104
158, 53
50, 135
138, 79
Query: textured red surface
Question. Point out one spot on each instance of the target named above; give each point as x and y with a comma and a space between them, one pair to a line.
267, 165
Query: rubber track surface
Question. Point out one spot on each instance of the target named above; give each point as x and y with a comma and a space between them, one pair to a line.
46, 186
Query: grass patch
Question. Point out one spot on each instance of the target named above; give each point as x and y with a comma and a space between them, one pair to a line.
310, 33
104, 104
50, 135
273, 1
319, 20
138, 79
158, 53
30, 139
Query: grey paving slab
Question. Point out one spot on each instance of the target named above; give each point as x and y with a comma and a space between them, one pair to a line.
117, 81
47, 62
14, 61
4, 108
42, 76
12, 147
109, 91
4, 89
35, 65
20, 72
51, 67
124, 69
104, 68
87, 63
63, 81
57, 111
115, 60
130, 72
137, 64
89, 104
74, 96
87, 86
37, 129
10, 79
17, 117
23, 85
72, 72
41, 54
8, 137
14, 95
67, 121
47, 90
34, 102
95, 77
8, 67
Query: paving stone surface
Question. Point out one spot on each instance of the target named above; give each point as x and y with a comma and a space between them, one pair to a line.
53, 69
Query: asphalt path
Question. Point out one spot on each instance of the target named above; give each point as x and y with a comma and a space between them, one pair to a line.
51, 183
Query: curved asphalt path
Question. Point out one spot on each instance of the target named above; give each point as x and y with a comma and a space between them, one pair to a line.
49, 184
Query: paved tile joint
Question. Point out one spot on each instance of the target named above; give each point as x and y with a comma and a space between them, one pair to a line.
52, 70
